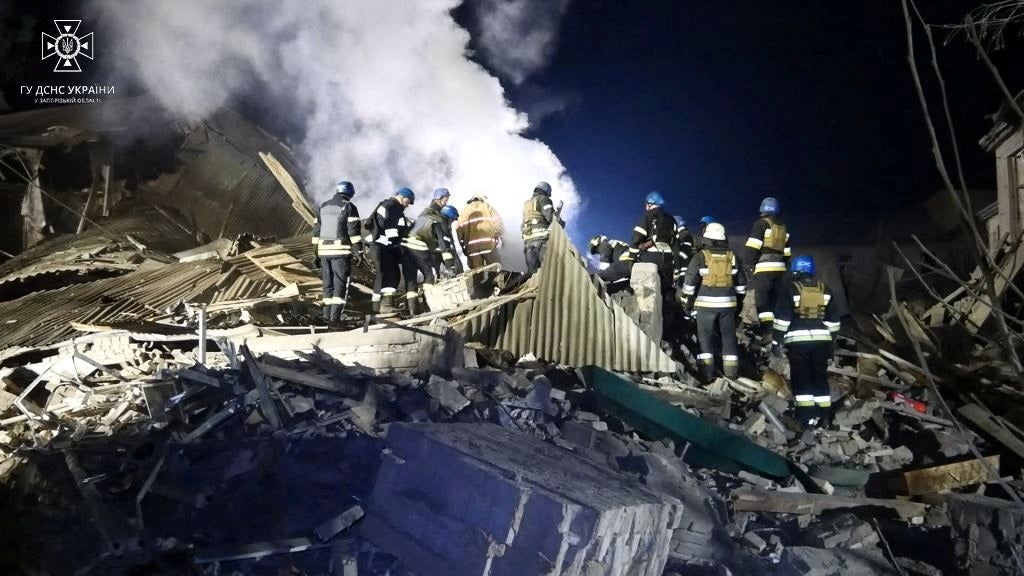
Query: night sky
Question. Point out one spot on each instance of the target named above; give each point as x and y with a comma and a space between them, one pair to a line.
717, 106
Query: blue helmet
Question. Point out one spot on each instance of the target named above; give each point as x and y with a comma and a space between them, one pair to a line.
345, 188
803, 264
544, 188
707, 220
407, 193
680, 222
441, 193
656, 198
769, 206
450, 213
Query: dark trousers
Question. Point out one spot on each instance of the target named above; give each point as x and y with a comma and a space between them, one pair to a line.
415, 262
616, 276
334, 272
534, 250
387, 260
808, 364
768, 286
714, 324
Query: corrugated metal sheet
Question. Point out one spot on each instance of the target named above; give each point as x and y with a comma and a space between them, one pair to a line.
571, 320
224, 186
42, 319
73, 253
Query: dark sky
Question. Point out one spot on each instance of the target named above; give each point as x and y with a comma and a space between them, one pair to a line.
717, 104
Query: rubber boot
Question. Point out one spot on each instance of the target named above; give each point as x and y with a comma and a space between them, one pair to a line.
336, 312
327, 312
414, 305
375, 306
387, 304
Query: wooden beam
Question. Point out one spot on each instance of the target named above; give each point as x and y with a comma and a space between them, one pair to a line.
756, 500
949, 476
983, 419
307, 379
260, 380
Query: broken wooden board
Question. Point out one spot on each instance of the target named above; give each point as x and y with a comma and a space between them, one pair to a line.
757, 500
307, 379
983, 419
949, 476
285, 179
256, 551
712, 446
277, 263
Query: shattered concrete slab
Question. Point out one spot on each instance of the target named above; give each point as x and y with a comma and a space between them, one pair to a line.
461, 499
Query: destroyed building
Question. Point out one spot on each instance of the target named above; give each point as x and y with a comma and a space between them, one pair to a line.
171, 403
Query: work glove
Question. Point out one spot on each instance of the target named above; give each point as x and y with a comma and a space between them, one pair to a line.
777, 350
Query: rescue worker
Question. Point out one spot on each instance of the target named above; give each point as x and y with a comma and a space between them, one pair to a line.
714, 286
538, 214
336, 235
699, 240
806, 317
388, 226
767, 252
682, 252
439, 200
615, 262
451, 264
653, 238
480, 229
427, 246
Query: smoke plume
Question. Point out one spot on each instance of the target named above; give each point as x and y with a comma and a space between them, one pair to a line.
385, 89
518, 37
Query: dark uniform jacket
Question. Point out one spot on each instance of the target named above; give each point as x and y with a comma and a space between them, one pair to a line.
806, 314
767, 248
716, 278
655, 232
684, 247
609, 251
388, 224
336, 227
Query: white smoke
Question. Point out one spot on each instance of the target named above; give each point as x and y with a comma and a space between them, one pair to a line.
386, 90
518, 37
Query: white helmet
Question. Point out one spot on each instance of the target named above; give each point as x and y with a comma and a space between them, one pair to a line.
714, 231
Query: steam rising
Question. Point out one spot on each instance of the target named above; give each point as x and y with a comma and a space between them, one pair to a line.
385, 88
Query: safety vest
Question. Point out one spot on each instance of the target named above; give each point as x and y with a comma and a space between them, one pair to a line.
535, 224
811, 302
719, 267
333, 238
775, 235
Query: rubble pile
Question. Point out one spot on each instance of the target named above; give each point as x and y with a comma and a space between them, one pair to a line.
265, 459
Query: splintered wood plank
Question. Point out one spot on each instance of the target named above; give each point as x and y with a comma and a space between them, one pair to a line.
949, 476
982, 419
756, 500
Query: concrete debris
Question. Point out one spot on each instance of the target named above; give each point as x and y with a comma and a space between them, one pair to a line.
470, 499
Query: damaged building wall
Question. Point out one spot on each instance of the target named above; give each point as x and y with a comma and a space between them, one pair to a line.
211, 173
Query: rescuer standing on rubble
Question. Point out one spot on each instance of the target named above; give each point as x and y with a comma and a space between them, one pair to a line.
615, 262
388, 226
698, 243
424, 250
480, 230
805, 320
439, 200
767, 251
682, 252
336, 235
714, 287
451, 264
653, 238
538, 214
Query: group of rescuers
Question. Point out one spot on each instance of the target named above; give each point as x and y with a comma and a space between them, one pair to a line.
796, 311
